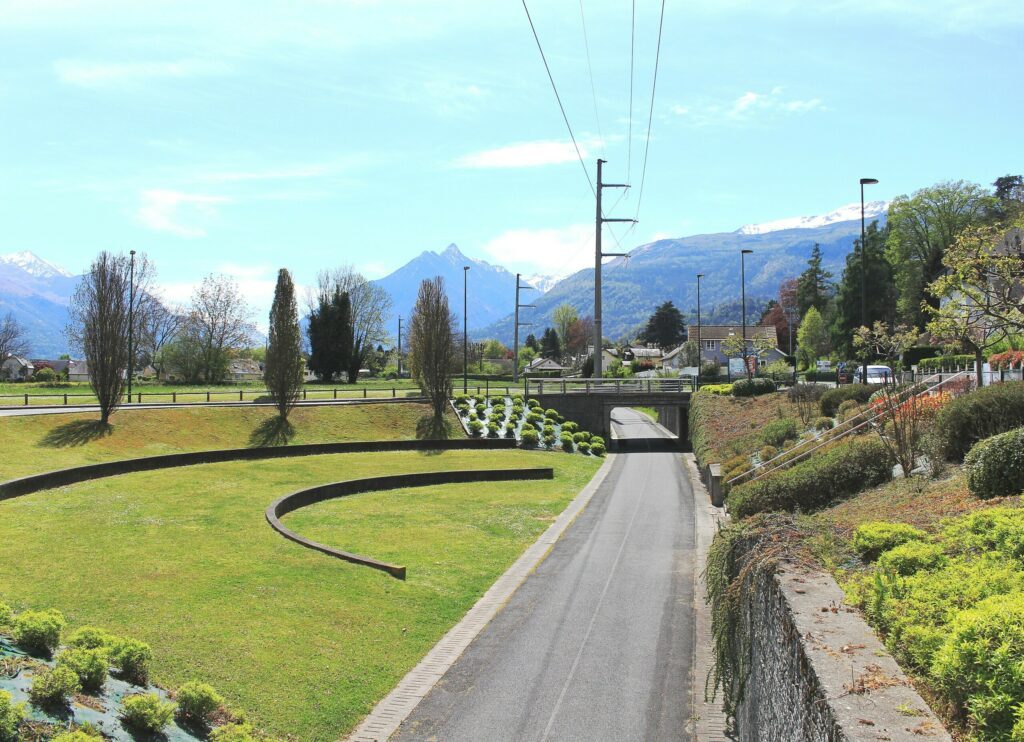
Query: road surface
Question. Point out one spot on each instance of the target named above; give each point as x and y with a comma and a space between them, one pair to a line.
597, 644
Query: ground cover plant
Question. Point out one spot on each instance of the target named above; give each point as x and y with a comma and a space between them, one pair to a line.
722, 427
45, 442
303, 643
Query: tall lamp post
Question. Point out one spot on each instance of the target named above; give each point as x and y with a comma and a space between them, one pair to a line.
131, 323
864, 270
700, 345
465, 333
399, 347
743, 299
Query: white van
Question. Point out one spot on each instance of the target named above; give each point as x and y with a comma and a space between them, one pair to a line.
876, 375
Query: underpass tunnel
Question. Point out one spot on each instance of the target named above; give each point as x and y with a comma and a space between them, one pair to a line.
634, 430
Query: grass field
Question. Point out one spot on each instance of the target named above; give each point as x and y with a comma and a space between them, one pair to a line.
304, 643
39, 443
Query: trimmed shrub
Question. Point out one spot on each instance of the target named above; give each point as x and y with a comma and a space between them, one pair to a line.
596, 440
983, 413
584, 447
90, 637
11, 715
461, 399
552, 413
839, 472
823, 423
475, 428
510, 427
529, 438
131, 658
912, 557
499, 410
535, 418
464, 410
233, 733
995, 466
778, 432
492, 429
753, 387
598, 449
549, 439
146, 712
549, 429
518, 399
534, 403
89, 665
197, 702
848, 409
767, 453
568, 442
39, 631
831, 399
945, 362
6, 614
816, 375
76, 736
53, 687
871, 539
720, 390
570, 427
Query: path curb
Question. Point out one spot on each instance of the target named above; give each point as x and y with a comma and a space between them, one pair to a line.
394, 708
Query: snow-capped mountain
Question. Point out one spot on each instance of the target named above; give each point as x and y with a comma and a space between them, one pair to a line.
848, 213
34, 265
542, 283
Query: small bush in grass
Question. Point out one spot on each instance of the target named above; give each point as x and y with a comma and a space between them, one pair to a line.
584, 447
89, 665
568, 444
912, 557
871, 539
831, 399
995, 466
39, 631
147, 713
6, 615
767, 453
475, 428
233, 733
131, 658
841, 471
53, 687
11, 715
753, 387
197, 702
778, 432
598, 449
849, 408
823, 423
529, 438
90, 637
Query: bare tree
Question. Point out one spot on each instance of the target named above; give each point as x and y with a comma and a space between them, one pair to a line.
284, 347
12, 337
432, 344
99, 324
217, 323
370, 306
157, 325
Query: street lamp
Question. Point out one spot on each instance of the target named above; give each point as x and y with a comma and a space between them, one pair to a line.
465, 333
864, 270
743, 294
700, 345
399, 347
131, 322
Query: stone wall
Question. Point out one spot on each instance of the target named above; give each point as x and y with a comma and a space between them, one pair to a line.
818, 672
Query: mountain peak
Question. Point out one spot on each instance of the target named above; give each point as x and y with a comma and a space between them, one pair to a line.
848, 213
34, 265
452, 252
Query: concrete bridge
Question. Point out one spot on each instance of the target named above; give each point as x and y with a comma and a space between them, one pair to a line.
590, 401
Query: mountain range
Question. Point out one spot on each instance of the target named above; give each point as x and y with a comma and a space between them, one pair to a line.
37, 293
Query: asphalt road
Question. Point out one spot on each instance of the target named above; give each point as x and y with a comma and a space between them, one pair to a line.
597, 644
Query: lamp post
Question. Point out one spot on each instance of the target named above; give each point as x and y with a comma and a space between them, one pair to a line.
465, 333
131, 322
399, 347
864, 270
700, 345
743, 299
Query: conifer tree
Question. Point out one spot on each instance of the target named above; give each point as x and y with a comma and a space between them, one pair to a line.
284, 365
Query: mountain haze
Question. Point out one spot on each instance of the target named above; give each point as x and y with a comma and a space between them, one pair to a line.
38, 294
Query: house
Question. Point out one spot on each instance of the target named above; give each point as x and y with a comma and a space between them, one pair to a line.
78, 371
608, 356
543, 367
712, 337
59, 366
643, 355
16, 368
675, 359
244, 369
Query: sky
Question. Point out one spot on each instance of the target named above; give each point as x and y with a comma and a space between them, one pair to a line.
240, 137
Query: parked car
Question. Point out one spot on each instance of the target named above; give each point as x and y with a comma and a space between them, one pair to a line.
876, 375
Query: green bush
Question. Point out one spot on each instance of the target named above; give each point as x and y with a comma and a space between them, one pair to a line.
815, 375
912, 557
146, 712
823, 423
529, 438
197, 702
131, 658
549, 429
570, 427
492, 429
778, 432
994, 530
464, 410
76, 736
831, 399
720, 390
461, 399
89, 665
517, 400
233, 733
848, 409
767, 453
39, 631
871, 539
596, 440
568, 442
995, 466
945, 362
980, 663
6, 614
475, 428
549, 439
584, 447
533, 403
498, 410
510, 427
535, 418
90, 637
552, 413
11, 715
598, 449
983, 413
753, 387
838, 472
53, 687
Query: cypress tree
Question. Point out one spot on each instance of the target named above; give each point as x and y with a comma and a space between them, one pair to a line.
283, 370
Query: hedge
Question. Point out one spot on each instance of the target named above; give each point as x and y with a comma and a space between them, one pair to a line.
983, 413
913, 356
995, 466
699, 424
844, 470
943, 362
831, 399
721, 390
753, 387
815, 375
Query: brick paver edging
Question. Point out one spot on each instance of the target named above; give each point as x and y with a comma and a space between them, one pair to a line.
300, 499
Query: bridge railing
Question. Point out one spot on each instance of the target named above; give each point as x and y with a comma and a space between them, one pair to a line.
675, 385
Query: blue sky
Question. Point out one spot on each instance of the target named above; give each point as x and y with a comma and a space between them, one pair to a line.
241, 137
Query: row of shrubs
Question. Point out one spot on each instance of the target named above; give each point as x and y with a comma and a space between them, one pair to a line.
539, 425
83, 665
945, 362
951, 608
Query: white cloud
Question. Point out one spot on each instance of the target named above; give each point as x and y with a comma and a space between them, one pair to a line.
558, 251
90, 74
170, 211
747, 108
524, 154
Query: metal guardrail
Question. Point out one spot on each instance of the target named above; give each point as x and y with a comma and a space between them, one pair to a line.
679, 385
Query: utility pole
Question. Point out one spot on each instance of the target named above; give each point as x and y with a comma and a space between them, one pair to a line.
700, 345
518, 324
598, 254
131, 323
465, 333
399, 347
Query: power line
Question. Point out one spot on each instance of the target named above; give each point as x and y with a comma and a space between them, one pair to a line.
590, 69
629, 141
554, 87
650, 114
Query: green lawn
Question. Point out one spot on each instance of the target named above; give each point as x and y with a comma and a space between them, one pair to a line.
39, 443
649, 411
304, 643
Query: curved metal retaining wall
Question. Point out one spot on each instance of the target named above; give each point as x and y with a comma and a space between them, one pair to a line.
73, 475
290, 503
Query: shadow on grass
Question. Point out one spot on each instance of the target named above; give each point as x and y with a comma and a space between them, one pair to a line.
77, 433
274, 431
430, 428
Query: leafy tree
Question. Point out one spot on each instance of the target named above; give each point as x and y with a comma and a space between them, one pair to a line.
881, 294
564, 316
218, 324
879, 341
330, 333
284, 365
1009, 192
526, 356
581, 335
812, 337
813, 286
550, 344
921, 228
432, 345
532, 344
12, 337
732, 346
494, 349
370, 306
665, 328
